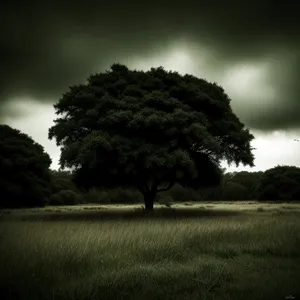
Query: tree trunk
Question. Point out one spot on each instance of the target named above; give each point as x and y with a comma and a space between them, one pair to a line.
149, 201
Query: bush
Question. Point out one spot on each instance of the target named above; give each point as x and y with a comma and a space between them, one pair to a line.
180, 194
118, 196
129, 196
62, 180
234, 191
166, 200
281, 183
55, 200
65, 197
97, 196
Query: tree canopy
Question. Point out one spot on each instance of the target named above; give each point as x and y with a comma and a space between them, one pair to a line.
62, 180
24, 170
249, 180
280, 183
148, 130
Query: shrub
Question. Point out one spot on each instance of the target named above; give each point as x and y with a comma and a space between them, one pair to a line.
118, 195
65, 197
55, 200
97, 196
166, 200
125, 196
180, 194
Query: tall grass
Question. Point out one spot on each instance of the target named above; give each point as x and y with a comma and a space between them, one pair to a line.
242, 256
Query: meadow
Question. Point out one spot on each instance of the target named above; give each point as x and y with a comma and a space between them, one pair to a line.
244, 250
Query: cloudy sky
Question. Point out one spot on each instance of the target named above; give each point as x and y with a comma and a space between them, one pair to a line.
251, 48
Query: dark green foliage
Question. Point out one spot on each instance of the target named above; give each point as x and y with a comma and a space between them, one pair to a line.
123, 196
234, 191
113, 196
280, 183
148, 130
97, 196
24, 170
65, 197
62, 180
234, 186
166, 200
179, 194
55, 200
249, 180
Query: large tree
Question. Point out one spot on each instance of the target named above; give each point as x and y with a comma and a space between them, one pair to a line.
24, 170
148, 130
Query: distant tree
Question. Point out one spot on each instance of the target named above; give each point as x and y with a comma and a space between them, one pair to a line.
24, 170
62, 180
65, 197
148, 130
179, 194
214, 192
234, 186
234, 191
280, 183
249, 180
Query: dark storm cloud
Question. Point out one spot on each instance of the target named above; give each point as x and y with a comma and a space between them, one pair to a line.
47, 47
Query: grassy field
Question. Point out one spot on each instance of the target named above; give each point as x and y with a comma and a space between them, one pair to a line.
207, 251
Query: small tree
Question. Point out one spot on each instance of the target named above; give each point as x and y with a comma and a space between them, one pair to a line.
280, 183
24, 170
148, 130
65, 197
249, 180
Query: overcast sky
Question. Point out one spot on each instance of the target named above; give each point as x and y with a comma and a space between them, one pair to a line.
251, 48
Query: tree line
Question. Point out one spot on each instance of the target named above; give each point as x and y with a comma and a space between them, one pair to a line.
134, 136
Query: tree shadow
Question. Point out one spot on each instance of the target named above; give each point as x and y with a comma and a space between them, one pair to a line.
119, 214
